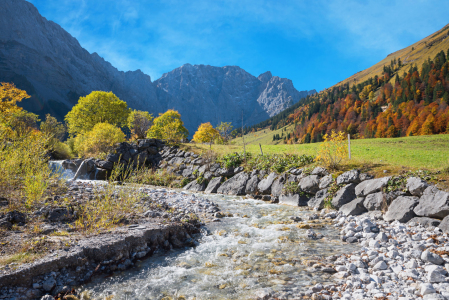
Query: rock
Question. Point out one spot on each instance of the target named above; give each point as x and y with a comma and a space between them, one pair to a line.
15, 217
278, 185
5, 224
353, 208
187, 172
317, 201
58, 214
433, 258
374, 201
264, 185
49, 284
444, 225
320, 171
401, 209
416, 186
325, 182
294, 200
345, 195
225, 172
105, 165
371, 186
82, 171
427, 288
194, 186
263, 294
235, 185
349, 177
47, 297
310, 184
425, 222
238, 170
435, 276
251, 185
101, 174
433, 204
213, 185
381, 265
365, 176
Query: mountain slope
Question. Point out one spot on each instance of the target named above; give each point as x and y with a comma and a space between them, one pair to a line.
404, 99
42, 58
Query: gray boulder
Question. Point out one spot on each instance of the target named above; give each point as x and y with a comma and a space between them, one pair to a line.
344, 195
105, 165
264, 185
320, 171
349, 177
433, 204
278, 185
235, 185
101, 174
353, 208
251, 185
225, 172
325, 182
416, 186
432, 258
187, 172
213, 185
294, 200
444, 225
374, 201
317, 201
310, 184
194, 186
401, 209
425, 222
371, 186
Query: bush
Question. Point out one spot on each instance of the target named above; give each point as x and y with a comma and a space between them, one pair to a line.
333, 150
279, 162
233, 160
99, 141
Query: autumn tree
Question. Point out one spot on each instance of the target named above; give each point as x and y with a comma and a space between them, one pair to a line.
225, 129
97, 107
9, 96
139, 122
98, 141
206, 133
51, 127
168, 126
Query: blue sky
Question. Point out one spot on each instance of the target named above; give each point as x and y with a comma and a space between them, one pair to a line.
314, 43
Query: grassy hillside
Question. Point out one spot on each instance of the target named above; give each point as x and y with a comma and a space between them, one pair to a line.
413, 54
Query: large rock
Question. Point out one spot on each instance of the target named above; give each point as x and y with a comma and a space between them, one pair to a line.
317, 201
294, 200
235, 185
213, 185
265, 184
325, 182
374, 201
433, 204
401, 209
225, 172
251, 185
353, 208
371, 186
310, 184
416, 186
194, 186
320, 171
444, 225
278, 185
344, 195
349, 177
425, 222
105, 165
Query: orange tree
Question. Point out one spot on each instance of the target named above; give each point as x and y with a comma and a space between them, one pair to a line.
206, 133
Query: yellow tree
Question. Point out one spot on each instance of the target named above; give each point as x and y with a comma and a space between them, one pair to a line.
206, 133
168, 126
97, 107
9, 96
333, 150
139, 122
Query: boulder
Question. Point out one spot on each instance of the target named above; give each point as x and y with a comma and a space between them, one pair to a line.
238, 170
432, 258
278, 185
235, 185
105, 165
325, 182
310, 184
374, 201
187, 172
344, 195
365, 176
213, 185
251, 185
294, 200
101, 174
225, 172
320, 171
58, 214
416, 186
317, 201
353, 208
349, 177
425, 222
82, 171
371, 186
194, 186
264, 185
401, 209
433, 204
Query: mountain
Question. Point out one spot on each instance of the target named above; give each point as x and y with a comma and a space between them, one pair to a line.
405, 94
42, 58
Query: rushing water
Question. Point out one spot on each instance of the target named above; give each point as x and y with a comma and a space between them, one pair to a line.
235, 257
56, 167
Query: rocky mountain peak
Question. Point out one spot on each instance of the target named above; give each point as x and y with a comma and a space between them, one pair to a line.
265, 77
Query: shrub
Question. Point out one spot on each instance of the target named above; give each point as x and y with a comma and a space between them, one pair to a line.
333, 150
99, 141
233, 160
139, 122
168, 126
279, 162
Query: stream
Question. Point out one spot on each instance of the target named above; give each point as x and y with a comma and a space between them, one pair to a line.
258, 247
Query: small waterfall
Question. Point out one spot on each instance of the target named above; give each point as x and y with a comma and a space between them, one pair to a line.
56, 167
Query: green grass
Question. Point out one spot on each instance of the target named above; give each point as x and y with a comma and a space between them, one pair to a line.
420, 152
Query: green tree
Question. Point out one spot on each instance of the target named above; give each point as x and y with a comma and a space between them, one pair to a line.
97, 107
225, 128
23, 122
99, 141
52, 128
139, 122
168, 126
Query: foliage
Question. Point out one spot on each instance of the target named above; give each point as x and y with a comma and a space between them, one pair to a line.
51, 127
99, 141
22, 122
168, 126
225, 129
9, 96
232, 160
97, 107
205, 134
139, 122
333, 150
